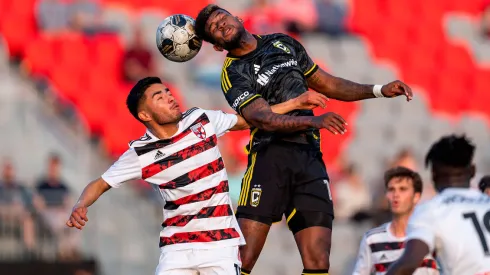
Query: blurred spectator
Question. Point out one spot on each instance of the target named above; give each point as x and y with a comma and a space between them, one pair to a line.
331, 17
85, 16
137, 60
298, 15
15, 202
262, 18
352, 195
485, 22
52, 15
53, 202
405, 158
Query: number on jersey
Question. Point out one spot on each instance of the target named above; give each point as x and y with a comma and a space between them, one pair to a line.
478, 227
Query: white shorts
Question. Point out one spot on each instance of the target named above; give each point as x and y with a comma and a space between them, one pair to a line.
215, 261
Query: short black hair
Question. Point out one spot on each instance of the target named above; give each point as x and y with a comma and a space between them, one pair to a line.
201, 20
484, 183
453, 151
403, 172
137, 93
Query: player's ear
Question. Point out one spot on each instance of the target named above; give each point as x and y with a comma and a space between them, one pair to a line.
218, 48
416, 197
144, 116
239, 19
473, 171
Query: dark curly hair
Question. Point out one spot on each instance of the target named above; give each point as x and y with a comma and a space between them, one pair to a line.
201, 20
453, 151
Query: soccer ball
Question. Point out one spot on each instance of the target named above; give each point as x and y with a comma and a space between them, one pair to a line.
176, 39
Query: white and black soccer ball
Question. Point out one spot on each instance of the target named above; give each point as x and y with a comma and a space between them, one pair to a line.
176, 39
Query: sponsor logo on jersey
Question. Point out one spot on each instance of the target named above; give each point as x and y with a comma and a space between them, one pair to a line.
239, 99
279, 45
264, 78
256, 193
256, 68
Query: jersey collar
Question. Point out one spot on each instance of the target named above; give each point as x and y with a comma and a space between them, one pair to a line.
260, 41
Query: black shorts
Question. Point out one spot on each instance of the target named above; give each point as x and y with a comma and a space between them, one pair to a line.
287, 179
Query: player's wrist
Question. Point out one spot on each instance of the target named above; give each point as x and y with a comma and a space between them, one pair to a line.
377, 91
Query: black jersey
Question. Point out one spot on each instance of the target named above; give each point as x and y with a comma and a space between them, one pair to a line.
276, 71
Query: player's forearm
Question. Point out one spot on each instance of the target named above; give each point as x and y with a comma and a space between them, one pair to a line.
285, 107
339, 88
281, 108
260, 115
92, 192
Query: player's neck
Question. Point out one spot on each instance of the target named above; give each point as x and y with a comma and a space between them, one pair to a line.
248, 43
398, 225
164, 131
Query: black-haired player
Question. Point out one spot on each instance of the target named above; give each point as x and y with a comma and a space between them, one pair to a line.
286, 174
455, 224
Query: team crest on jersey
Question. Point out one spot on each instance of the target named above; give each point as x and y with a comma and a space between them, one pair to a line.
255, 198
279, 45
199, 131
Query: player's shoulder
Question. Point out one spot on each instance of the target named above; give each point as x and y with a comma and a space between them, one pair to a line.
143, 140
376, 232
273, 36
192, 111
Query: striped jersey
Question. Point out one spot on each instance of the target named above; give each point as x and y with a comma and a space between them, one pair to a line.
379, 248
188, 173
455, 224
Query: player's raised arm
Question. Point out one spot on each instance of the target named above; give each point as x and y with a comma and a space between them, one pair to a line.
259, 113
339, 88
306, 101
90, 194
346, 90
126, 168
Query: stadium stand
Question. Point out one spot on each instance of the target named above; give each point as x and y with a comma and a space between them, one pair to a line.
441, 55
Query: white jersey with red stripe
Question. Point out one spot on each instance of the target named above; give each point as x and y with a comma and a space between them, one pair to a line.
379, 248
188, 173
455, 224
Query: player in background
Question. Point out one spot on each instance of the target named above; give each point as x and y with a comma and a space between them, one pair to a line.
455, 224
286, 174
178, 155
484, 185
383, 245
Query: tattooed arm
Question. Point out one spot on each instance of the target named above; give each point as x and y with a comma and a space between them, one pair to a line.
345, 90
259, 114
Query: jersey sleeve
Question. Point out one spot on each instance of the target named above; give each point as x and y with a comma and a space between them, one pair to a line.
422, 226
221, 121
126, 168
363, 263
237, 88
304, 60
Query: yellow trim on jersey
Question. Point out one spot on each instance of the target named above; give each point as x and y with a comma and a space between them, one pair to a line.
311, 69
247, 101
251, 138
246, 182
225, 80
291, 215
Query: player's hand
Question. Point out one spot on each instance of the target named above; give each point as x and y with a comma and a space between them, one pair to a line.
310, 100
397, 88
332, 122
78, 217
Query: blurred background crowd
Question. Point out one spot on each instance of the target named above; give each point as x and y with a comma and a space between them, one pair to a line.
66, 67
